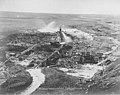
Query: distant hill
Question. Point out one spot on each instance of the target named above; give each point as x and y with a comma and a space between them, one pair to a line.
49, 15
92, 23
35, 15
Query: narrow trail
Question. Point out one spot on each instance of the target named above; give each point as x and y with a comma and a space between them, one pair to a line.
38, 79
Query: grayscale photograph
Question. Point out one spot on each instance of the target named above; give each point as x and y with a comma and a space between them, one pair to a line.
59, 47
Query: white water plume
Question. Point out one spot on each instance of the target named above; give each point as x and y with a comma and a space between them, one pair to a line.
66, 38
51, 27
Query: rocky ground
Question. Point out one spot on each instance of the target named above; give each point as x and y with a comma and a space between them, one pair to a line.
72, 55
15, 62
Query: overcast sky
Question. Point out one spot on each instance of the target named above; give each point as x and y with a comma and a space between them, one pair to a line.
62, 6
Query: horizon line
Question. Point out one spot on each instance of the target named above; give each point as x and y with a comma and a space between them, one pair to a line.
61, 13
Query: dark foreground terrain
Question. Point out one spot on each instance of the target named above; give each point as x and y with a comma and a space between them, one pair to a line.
19, 31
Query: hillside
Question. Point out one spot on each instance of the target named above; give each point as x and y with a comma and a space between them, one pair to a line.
85, 58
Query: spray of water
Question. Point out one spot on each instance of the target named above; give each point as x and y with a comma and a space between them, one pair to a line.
51, 27
67, 39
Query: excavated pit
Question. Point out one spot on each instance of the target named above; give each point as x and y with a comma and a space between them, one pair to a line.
74, 59
72, 55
